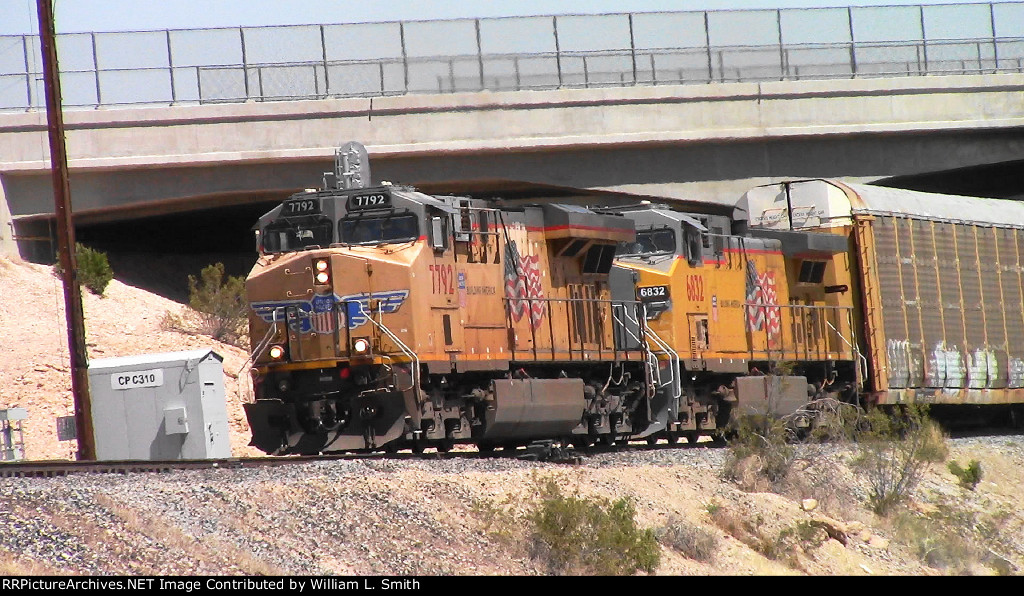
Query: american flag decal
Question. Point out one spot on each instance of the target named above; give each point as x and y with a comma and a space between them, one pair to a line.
515, 287
523, 285
762, 302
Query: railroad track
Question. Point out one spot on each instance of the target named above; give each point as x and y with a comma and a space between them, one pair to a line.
541, 451
52, 468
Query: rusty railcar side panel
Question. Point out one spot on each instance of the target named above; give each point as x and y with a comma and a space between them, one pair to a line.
932, 316
1010, 268
891, 296
995, 317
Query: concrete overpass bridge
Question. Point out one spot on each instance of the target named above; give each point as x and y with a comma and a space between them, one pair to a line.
695, 106
703, 143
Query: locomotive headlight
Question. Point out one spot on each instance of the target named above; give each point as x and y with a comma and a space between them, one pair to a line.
322, 268
361, 346
276, 352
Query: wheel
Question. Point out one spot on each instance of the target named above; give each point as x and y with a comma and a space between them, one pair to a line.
581, 443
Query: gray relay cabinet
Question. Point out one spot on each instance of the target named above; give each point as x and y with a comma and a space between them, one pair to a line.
160, 406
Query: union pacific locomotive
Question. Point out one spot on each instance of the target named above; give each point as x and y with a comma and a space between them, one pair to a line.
384, 318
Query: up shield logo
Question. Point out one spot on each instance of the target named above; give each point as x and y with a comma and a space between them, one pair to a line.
325, 314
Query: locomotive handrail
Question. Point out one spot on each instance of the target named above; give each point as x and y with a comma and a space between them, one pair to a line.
297, 316
794, 344
673, 357
261, 345
861, 360
264, 343
599, 340
726, 249
677, 385
401, 346
624, 327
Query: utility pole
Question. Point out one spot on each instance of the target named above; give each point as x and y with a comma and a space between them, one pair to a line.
66, 236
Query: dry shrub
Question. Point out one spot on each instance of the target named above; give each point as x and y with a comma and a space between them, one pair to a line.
688, 538
753, 532
896, 449
760, 455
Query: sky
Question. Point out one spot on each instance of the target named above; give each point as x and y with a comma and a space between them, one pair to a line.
18, 17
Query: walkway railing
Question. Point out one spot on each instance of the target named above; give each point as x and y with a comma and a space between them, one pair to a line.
194, 66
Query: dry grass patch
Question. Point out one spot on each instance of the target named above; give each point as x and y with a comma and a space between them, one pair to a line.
16, 565
208, 552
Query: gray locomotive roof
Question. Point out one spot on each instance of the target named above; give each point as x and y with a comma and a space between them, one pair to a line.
637, 212
429, 200
880, 200
165, 358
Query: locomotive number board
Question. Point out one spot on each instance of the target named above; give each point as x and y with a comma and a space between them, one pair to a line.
652, 293
300, 207
374, 200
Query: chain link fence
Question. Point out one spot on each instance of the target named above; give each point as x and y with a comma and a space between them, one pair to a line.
516, 53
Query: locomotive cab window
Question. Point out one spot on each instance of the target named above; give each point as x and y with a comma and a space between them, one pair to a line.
812, 272
293, 234
649, 242
599, 259
379, 229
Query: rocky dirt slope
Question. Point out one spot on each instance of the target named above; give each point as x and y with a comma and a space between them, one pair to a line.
456, 514
125, 321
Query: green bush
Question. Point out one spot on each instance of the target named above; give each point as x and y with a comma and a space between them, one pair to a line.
590, 536
220, 304
94, 270
895, 450
970, 476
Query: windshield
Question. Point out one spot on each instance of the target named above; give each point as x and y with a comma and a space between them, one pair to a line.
649, 242
286, 235
379, 229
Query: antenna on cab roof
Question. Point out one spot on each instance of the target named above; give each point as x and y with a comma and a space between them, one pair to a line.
351, 168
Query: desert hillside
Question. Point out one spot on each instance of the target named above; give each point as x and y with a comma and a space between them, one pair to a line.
456, 514
125, 321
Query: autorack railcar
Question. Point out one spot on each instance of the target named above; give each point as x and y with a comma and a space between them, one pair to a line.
937, 280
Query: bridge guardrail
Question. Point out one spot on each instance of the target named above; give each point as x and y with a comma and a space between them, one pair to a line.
195, 66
